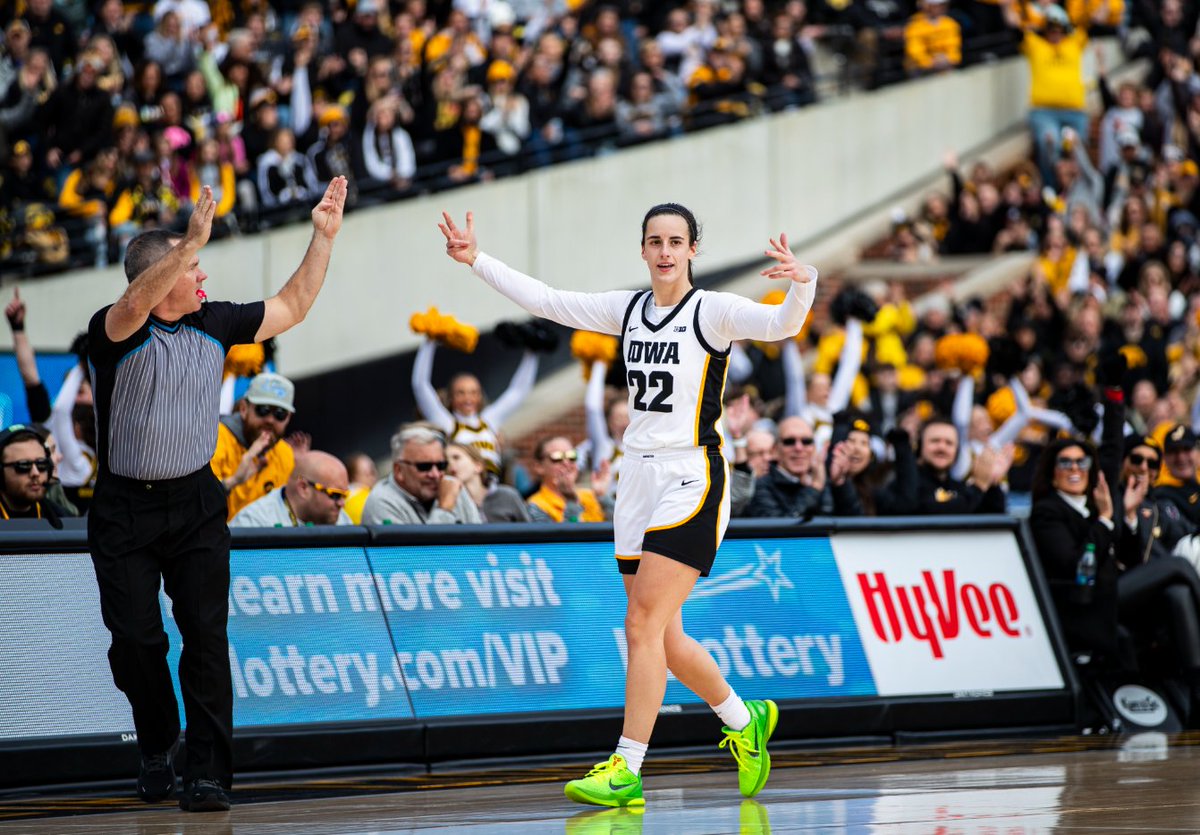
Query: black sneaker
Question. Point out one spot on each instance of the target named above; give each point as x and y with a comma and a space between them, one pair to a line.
156, 777
204, 795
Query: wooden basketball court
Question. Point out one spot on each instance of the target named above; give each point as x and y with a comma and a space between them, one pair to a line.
1146, 784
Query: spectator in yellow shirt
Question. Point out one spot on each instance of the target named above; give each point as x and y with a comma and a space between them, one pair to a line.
1057, 97
252, 459
932, 40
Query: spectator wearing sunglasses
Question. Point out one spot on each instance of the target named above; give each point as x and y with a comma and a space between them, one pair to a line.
797, 485
1153, 528
252, 459
315, 494
558, 499
25, 459
419, 491
1073, 509
939, 493
1177, 487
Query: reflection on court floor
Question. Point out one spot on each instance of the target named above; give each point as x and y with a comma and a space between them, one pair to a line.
1140, 785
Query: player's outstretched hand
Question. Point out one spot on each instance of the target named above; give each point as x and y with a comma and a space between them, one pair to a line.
786, 265
327, 216
460, 243
200, 223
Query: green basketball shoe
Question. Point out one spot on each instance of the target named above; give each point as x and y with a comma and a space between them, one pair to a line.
609, 783
749, 746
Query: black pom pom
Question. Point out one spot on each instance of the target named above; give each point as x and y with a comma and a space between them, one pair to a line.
510, 334
1005, 357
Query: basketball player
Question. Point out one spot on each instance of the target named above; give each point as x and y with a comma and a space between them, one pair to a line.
673, 506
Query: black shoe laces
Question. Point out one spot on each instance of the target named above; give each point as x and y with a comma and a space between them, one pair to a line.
158, 762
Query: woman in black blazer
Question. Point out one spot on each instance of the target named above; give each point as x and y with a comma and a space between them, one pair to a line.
1073, 508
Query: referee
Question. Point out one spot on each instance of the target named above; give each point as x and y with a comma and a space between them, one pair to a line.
158, 511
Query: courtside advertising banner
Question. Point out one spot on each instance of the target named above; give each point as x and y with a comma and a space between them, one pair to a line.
517, 628
351, 634
308, 641
946, 612
54, 675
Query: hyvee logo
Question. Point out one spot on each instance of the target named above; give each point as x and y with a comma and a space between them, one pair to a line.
934, 612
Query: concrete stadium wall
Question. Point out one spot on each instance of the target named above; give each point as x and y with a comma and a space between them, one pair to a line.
805, 172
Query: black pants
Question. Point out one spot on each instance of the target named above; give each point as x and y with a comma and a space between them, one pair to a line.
140, 531
1170, 588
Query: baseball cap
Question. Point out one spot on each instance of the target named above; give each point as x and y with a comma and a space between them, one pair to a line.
1057, 16
20, 432
1180, 437
272, 390
860, 425
1134, 440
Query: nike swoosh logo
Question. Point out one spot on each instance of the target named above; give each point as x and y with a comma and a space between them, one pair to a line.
631, 330
686, 483
617, 788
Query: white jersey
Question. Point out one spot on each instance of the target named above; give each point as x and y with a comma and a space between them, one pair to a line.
676, 357
476, 433
676, 378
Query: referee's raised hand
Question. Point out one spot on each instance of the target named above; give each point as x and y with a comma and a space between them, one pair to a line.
327, 216
200, 223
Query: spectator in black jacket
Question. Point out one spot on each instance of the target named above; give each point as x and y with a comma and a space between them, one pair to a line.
938, 493
77, 119
1153, 529
883, 489
333, 154
1178, 489
796, 485
1072, 508
52, 31
786, 70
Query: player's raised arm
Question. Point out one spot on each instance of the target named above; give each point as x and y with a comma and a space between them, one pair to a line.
599, 312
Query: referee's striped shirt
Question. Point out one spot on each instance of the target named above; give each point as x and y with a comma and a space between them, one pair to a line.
157, 393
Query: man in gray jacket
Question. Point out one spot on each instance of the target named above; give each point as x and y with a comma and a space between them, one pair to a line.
418, 491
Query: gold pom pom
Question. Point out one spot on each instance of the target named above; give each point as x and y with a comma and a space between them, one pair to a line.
589, 347
445, 329
966, 352
245, 360
1001, 405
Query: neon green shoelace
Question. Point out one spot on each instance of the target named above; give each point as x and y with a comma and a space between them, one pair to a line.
605, 767
736, 742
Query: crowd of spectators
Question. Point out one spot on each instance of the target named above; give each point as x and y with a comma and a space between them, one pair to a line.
112, 114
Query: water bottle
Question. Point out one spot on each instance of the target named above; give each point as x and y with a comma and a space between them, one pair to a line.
1085, 574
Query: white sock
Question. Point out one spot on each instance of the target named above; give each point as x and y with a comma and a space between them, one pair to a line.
733, 711
633, 752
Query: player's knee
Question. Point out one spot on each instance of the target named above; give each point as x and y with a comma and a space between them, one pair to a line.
643, 622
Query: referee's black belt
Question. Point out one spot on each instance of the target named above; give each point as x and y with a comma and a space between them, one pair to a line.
152, 484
